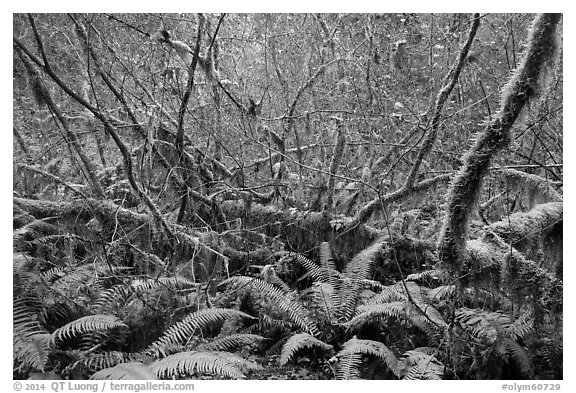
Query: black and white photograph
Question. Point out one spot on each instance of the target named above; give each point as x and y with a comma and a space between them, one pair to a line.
287, 196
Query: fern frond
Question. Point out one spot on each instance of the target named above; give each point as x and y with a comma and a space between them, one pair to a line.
269, 275
31, 231
183, 330
64, 239
372, 285
369, 312
415, 364
293, 310
25, 316
25, 273
483, 325
326, 260
397, 292
90, 339
81, 275
231, 342
32, 351
318, 299
317, 273
297, 342
372, 348
552, 356
360, 266
424, 315
144, 285
112, 297
99, 361
429, 275
266, 323
57, 315
349, 286
520, 328
89, 323
401, 310
348, 366
520, 356
419, 372
193, 362
53, 274
441, 292
126, 371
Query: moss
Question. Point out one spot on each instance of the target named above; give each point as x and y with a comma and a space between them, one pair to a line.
538, 189
483, 262
467, 184
530, 225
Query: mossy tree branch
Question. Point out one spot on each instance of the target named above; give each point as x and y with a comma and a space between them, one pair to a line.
466, 186
108, 126
430, 137
449, 82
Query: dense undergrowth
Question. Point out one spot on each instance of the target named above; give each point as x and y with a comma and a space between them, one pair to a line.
82, 316
348, 216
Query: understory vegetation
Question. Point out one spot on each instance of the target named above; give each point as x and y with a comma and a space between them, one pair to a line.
331, 196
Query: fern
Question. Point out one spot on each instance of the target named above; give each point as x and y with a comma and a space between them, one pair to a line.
520, 328
126, 371
269, 275
53, 274
421, 317
319, 300
109, 359
293, 310
317, 273
231, 342
91, 339
349, 286
520, 357
397, 292
25, 314
348, 366
416, 364
141, 285
98, 322
496, 334
266, 323
326, 260
372, 285
189, 363
64, 240
26, 278
57, 315
298, 342
551, 355
369, 312
32, 231
79, 276
327, 264
429, 275
372, 348
483, 325
31, 352
112, 297
442, 292
198, 320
